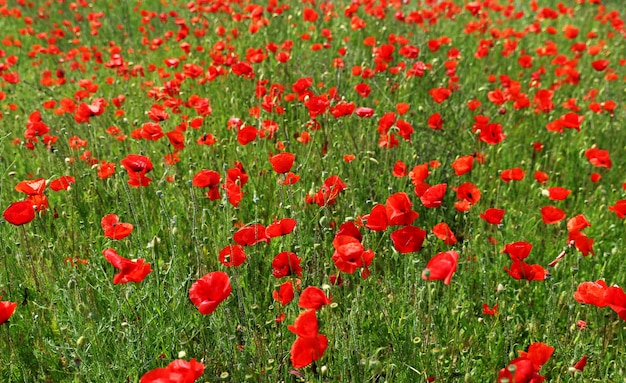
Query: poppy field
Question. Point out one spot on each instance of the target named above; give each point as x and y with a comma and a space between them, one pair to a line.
312, 191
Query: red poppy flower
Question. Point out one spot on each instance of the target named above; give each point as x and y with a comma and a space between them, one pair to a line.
232, 255
491, 134
115, 229
408, 239
552, 215
582, 243
580, 365
282, 163
600, 65
313, 298
435, 122
285, 264
6, 310
525, 369
577, 223
398, 208
280, 227
619, 208
595, 177
328, 193
399, 169
493, 216
541, 177
209, 291
130, 270
571, 120
19, 213
599, 157
441, 267
62, 183
515, 174
439, 95
250, 235
558, 193
309, 345
350, 229
592, 293
517, 251
208, 178
364, 112
290, 179
443, 232
178, 371
433, 196
137, 166
377, 218
284, 294
489, 311
350, 254
468, 192
615, 297
522, 270
463, 165
31, 187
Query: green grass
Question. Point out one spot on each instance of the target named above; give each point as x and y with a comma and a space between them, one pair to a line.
73, 324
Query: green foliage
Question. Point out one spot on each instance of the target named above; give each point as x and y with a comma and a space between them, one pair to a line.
73, 324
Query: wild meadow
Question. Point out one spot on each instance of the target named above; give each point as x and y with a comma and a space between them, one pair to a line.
312, 191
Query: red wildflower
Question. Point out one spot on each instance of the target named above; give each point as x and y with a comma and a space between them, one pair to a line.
444, 233
284, 294
580, 365
19, 213
62, 183
282, 163
350, 254
522, 270
463, 165
619, 208
6, 310
31, 187
552, 215
489, 311
178, 371
377, 218
433, 196
130, 270
515, 174
285, 264
232, 255
577, 223
599, 157
313, 298
517, 250
615, 297
558, 193
493, 216
592, 293
309, 345
137, 166
525, 369
398, 208
251, 235
115, 229
208, 178
441, 267
399, 169
468, 192
408, 239
439, 95
209, 291
280, 227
